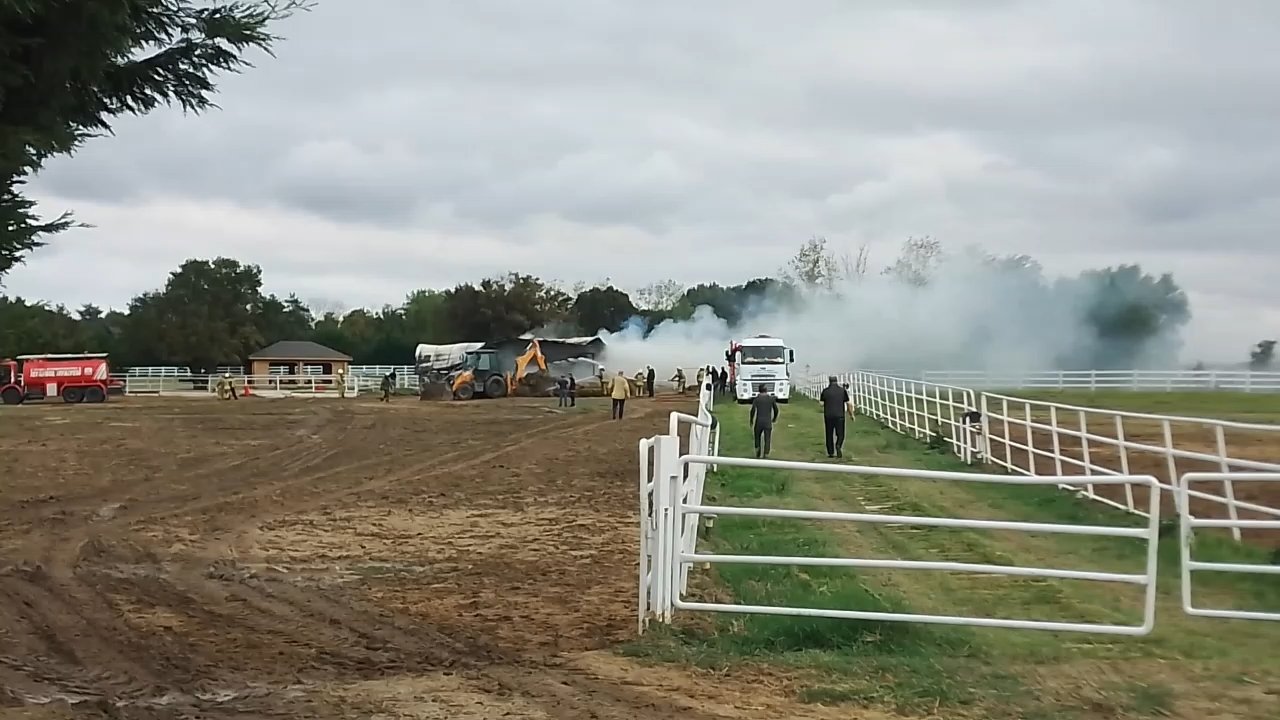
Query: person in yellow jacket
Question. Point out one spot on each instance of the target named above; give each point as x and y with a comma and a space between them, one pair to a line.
619, 391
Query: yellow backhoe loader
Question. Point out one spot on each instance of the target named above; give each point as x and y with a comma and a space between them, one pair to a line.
481, 375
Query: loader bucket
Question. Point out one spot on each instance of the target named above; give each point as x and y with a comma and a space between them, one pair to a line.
535, 385
434, 391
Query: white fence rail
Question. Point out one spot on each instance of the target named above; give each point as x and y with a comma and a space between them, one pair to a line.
660, 534
1033, 437
166, 379
1259, 381
925, 411
672, 481
1163, 380
266, 385
673, 569
1187, 524
1042, 438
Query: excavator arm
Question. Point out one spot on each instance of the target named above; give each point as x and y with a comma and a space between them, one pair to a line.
532, 354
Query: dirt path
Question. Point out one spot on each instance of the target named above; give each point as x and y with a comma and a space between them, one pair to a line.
293, 558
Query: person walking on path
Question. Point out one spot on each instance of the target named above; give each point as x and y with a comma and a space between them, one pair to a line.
764, 412
620, 391
835, 405
651, 375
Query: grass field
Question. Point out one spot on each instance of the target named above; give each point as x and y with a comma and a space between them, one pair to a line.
1188, 668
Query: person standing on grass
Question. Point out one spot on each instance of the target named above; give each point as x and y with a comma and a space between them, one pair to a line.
562, 391
764, 412
620, 391
835, 405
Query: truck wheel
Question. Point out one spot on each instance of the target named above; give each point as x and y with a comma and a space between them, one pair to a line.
72, 395
495, 387
12, 396
466, 392
94, 395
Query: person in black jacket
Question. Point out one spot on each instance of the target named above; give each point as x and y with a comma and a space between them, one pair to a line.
650, 376
764, 412
835, 405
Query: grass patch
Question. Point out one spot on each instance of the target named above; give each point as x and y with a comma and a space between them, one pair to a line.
919, 669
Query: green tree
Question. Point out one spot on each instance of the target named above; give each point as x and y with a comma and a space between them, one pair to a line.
206, 315
424, 317
1128, 311
1262, 355
69, 68
288, 319
33, 327
602, 308
503, 307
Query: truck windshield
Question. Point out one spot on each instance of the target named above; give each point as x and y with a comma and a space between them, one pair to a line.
768, 355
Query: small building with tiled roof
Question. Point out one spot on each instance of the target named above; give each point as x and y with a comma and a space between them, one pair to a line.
298, 357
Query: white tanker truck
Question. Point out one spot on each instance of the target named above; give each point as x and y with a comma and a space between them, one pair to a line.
760, 360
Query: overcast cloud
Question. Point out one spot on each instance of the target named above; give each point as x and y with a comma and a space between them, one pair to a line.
439, 141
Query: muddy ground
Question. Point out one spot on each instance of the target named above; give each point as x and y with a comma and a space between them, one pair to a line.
168, 558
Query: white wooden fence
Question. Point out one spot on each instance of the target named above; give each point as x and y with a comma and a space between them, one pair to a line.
1042, 438
1258, 381
925, 411
671, 490
660, 534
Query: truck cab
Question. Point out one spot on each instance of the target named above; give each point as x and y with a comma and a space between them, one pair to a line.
760, 360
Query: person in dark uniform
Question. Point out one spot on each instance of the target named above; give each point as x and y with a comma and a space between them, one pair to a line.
573, 391
835, 405
650, 377
764, 412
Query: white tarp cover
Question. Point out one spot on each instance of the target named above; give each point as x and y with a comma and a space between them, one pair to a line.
581, 340
443, 356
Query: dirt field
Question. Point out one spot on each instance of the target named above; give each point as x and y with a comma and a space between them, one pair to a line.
324, 558
1242, 444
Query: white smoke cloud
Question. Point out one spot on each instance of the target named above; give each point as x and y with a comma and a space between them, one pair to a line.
970, 315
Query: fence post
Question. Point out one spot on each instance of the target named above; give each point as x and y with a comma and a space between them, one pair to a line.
1228, 487
666, 452
1172, 462
1057, 442
1124, 462
1084, 451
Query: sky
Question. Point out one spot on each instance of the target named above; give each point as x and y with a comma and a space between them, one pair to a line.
435, 142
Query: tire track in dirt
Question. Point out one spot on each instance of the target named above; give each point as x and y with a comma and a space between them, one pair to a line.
82, 612
55, 548
319, 635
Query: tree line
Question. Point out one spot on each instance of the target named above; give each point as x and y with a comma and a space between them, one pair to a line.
216, 312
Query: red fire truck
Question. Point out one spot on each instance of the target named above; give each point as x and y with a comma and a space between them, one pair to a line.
74, 378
